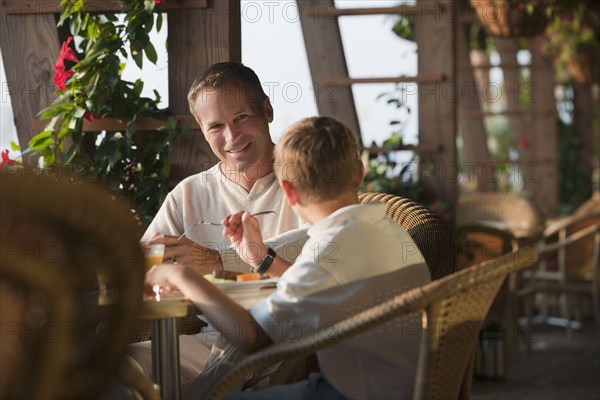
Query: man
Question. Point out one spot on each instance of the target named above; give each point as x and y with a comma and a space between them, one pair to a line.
234, 113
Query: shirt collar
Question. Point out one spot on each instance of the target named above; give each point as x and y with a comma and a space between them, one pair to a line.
358, 212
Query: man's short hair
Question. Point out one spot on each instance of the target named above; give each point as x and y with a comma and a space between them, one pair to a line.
319, 156
218, 75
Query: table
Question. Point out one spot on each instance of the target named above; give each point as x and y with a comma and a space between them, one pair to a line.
164, 313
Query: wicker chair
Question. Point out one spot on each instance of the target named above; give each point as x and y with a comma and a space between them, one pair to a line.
59, 236
435, 242
453, 309
508, 212
431, 235
570, 267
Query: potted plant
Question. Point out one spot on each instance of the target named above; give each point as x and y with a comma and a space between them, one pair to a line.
573, 39
134, 162
513, 18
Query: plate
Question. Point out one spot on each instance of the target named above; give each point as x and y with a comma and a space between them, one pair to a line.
248, 285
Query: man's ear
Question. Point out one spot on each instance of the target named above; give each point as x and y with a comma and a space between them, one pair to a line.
268, 109
290, 192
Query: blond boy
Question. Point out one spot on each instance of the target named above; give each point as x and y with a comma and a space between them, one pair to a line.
354, 258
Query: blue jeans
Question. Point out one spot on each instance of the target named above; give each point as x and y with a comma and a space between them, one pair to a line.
316, 387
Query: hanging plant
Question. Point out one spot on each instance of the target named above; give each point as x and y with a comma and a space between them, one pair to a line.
89, 86
513, 18
573, 39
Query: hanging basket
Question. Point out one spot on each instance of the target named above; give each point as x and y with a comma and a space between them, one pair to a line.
505, 19
584, 67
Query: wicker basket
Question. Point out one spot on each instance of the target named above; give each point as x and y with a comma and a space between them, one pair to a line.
504, 19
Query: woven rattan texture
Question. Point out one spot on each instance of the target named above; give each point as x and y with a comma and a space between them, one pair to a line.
454, 307
432, 236
60, 233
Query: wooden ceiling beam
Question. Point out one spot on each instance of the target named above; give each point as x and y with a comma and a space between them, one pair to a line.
53, 6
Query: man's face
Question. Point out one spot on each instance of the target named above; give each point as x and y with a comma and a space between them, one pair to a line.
237, 132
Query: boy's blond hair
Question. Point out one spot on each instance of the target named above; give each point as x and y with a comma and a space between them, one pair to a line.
319, 156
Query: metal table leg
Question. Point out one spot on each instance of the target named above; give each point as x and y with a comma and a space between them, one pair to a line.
165, 357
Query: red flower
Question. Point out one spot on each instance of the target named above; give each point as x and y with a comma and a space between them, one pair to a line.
158, 1
523, 143
60, 77
66, 53
7, 161
90, 116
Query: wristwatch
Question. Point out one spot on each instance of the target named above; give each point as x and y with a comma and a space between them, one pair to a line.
266, 262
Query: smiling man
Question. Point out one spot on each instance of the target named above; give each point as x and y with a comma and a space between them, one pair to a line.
234, 113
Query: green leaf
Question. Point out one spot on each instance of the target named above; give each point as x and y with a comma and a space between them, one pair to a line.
14, 146
159, 21
41, 141
75, 24
82, 159
137, 57
151, 53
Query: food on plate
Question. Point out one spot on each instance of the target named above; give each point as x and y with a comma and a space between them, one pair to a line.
224, 274
252, 276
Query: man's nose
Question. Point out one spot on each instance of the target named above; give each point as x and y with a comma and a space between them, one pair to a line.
232, 132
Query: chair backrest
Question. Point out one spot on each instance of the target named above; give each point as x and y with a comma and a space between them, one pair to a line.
453, 306
59, 236
431, 235
477, 243
504, 211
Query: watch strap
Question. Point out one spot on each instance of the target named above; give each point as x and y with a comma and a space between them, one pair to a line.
267, 261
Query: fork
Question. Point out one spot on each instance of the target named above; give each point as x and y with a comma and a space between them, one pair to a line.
202, 222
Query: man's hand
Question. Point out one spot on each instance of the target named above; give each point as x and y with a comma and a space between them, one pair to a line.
244, 232
184, 251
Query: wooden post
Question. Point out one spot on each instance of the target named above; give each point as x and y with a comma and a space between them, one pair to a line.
30, 47
540, 176
325, 53
198, 38
435, 29
476, 154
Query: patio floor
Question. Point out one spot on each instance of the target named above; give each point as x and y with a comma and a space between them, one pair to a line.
557, 367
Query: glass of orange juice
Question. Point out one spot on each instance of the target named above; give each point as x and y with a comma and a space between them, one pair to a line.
153, 254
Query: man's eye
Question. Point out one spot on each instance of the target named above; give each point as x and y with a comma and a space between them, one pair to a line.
242, 117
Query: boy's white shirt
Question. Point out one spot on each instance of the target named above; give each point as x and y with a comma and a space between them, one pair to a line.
344, 267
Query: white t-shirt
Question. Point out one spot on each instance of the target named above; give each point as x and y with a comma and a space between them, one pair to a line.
210, 196
353, 259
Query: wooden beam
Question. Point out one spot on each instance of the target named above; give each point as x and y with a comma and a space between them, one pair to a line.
507, 113
29, 49
347, 81
332, 11
116, 125
13, 7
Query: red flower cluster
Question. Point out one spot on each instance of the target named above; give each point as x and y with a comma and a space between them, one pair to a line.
6, 161
61, 75
158, 1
